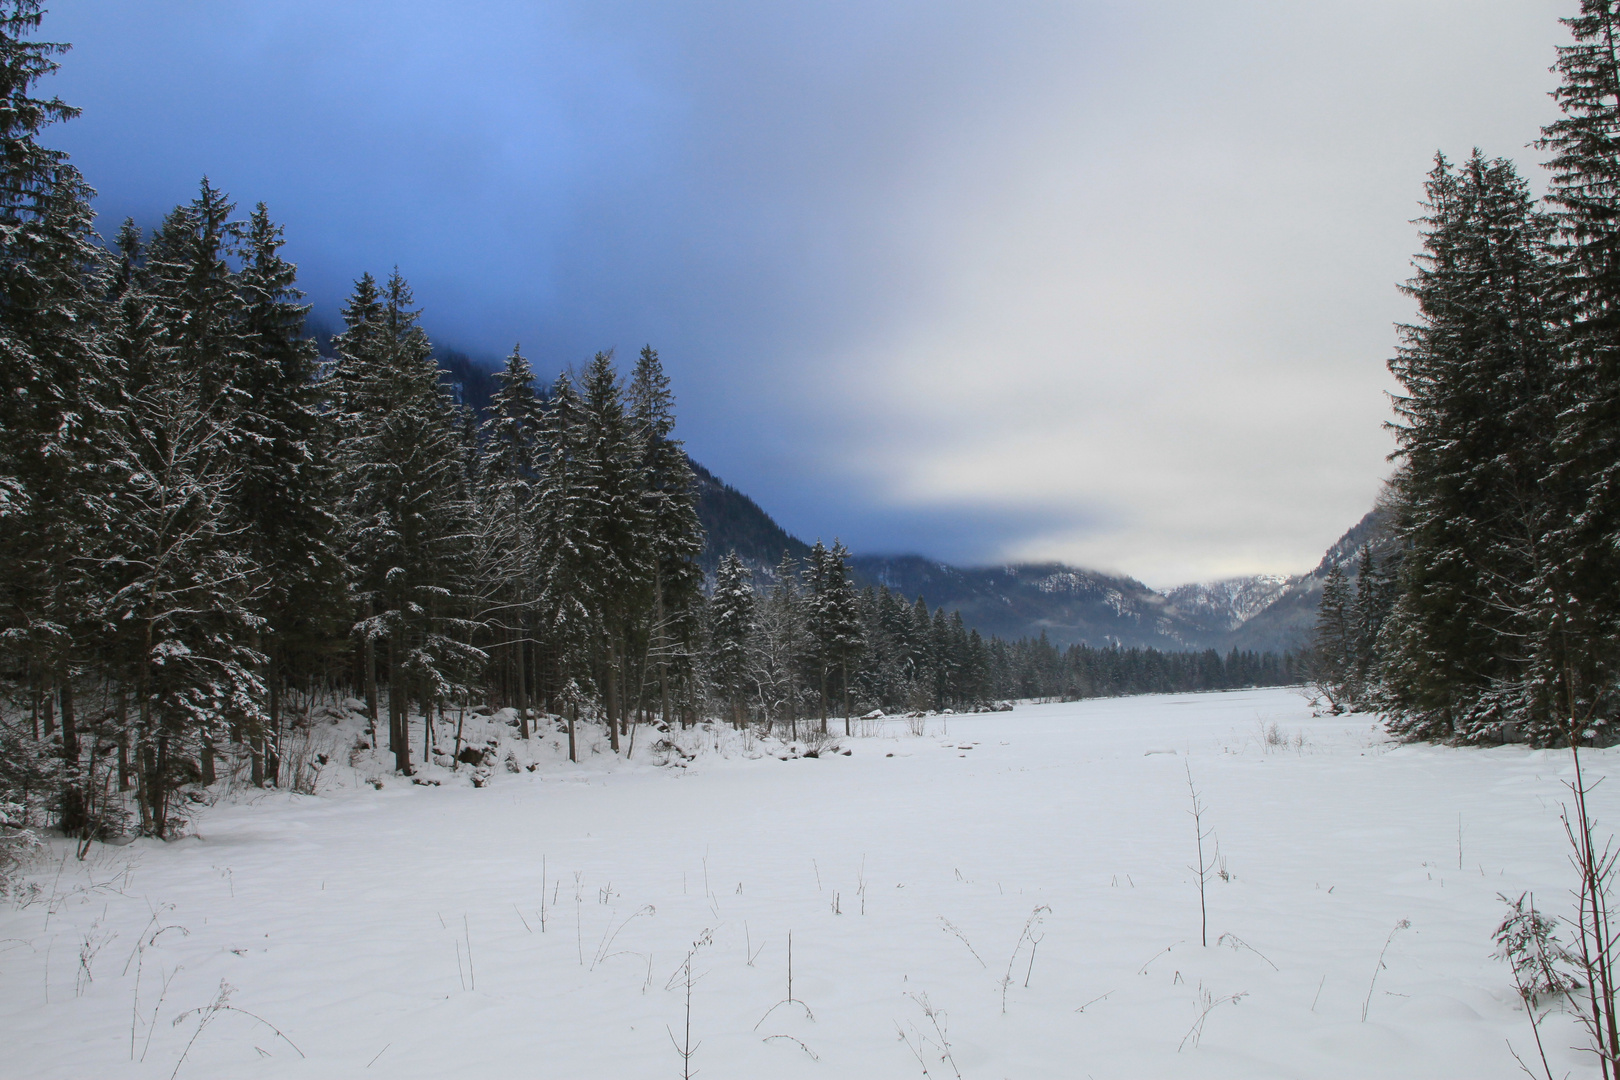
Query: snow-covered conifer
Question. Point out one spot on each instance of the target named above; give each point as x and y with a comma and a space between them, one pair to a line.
731, 628
674, 535
1477, 421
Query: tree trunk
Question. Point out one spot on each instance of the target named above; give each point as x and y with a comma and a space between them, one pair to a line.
369, 678
399, 704
270, 749
661, 641
824, 700
611, 693
126, 778
73, 816
844, 674
159, 787
522, 686
145, 779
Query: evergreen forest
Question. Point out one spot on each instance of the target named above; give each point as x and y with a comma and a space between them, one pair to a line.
209, 527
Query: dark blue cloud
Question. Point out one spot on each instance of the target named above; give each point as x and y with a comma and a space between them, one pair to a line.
784, 196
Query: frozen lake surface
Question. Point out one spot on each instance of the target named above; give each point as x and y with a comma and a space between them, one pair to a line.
1025, 874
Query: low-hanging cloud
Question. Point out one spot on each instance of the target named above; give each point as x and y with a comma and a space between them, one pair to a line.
1105, 282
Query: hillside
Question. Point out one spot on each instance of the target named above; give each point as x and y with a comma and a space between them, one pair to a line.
1070, 605
1067, 604
1287, 622
734, 522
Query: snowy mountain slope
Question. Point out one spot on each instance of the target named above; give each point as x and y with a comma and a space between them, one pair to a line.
1070, 605
1286, 623
1232, 602
734, 522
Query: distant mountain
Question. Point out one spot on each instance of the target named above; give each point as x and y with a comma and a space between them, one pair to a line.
1287, 622
1231, 603
1263, 612
1067, 604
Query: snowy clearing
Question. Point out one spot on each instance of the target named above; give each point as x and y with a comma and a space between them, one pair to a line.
1025, 875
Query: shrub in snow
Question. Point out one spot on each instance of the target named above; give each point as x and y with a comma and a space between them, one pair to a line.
18, 848
1526, 940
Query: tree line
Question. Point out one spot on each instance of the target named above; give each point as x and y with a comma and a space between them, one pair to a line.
1497, 608
207, 525
803, 640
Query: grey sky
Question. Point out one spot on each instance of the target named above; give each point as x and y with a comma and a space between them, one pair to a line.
1106, 282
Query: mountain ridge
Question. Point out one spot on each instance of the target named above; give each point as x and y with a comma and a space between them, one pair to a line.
1067, 604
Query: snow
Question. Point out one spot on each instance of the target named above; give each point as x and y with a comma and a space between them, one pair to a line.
906, 872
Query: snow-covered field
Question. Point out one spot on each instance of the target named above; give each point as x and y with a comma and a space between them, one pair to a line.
536, 927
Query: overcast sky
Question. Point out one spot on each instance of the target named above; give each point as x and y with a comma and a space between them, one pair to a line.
1105, 282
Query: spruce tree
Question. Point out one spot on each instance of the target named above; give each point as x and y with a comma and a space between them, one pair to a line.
284, 500
507, 475
406, 505
180, 611
613, 485
779, 646
841, 620
731, 626
674, 535
1579, 634
1333, 643
568, 606
56, 394
1464, 648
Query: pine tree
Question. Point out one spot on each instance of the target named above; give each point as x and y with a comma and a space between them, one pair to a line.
56, 393
406, 503
1579, 633
283, 502
818, 621
841, 620
568, 605
779, 646
731, 627
1333, 644
1476, 421
1371, 609
675, 537
508, 471
613, 482
179, 611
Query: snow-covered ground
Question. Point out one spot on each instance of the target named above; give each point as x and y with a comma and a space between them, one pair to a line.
536, 927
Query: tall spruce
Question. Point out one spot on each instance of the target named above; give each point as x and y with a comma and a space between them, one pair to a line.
674, 534
1467, 645
1581, 631
56, 394
568, 609
613, 484
181, 610
285, 497
507, 475
406, 505
731, 627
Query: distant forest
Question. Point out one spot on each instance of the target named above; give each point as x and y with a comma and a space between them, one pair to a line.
208, 527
